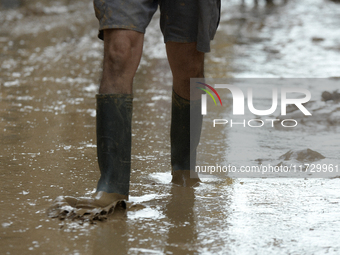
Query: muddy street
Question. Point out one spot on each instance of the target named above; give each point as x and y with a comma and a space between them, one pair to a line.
50, 69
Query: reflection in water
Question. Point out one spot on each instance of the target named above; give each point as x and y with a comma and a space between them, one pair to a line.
112, 236
182, 235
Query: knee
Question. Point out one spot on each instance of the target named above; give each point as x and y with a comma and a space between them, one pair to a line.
118, 53
122, 46
122, 53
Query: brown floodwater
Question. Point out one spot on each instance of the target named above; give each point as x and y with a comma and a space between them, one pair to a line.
50, 67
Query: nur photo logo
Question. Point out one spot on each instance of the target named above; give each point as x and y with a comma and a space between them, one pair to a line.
279, 98
204, 97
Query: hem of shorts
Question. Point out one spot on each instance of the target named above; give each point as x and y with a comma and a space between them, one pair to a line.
199, 46
202, 48
100, 34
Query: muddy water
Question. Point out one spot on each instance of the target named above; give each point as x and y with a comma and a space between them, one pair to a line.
50, 64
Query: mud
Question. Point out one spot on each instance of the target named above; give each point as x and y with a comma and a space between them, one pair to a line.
50, 65
327, 96
99, 206
306, 155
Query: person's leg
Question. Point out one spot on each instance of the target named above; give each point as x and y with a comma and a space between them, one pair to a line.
122, 26
187, 29
122, 54
185, 63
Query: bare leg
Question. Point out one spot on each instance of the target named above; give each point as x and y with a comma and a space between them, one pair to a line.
122, 54
185, 63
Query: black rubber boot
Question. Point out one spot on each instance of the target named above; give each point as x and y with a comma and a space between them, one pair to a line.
184, 139
114, 114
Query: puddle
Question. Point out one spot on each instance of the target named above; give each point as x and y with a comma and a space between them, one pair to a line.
50, 65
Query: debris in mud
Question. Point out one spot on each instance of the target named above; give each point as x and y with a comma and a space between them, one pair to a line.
136, 207
305, 155
298, 161
62, 210
327, 96
317, 39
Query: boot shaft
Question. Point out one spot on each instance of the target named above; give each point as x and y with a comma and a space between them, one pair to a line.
186, 125
114, 116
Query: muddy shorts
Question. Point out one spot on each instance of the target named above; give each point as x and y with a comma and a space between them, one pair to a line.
180, 21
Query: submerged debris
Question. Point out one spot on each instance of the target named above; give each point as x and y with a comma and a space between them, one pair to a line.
305, 155
61, 210
327, 96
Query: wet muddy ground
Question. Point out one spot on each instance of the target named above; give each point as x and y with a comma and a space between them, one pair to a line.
50, 65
